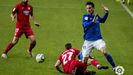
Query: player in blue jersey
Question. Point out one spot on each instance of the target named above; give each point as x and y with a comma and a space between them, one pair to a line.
92, 35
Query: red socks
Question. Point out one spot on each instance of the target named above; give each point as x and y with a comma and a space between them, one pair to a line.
31, 46
94, 62
10, 45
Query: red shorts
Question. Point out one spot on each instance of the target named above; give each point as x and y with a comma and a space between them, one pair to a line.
27, 32
79, 65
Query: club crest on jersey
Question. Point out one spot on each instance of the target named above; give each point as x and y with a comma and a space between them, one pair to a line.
86, 18
26, 12
28, 8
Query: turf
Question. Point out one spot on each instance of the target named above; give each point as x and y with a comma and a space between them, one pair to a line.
130, 6
61, 23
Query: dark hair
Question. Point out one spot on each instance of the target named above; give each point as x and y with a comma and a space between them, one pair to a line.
90, 3
68, 46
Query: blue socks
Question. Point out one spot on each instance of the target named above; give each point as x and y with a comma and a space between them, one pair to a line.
110, 59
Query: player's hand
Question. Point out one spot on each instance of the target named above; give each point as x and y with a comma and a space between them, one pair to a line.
37, 24
13, 17
105, 8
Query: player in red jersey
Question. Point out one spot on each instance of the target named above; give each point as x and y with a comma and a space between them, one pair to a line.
72, 66
66, 57
23, 11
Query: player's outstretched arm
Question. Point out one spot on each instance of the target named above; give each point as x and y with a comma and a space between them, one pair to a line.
13, 17
103, 19
35, 22
14, 13
57, 64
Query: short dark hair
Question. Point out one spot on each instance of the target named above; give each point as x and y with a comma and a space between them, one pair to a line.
90, 3
68, 46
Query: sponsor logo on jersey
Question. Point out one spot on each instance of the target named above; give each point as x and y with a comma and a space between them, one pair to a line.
26, 12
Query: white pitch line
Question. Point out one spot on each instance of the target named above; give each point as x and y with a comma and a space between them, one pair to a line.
127, 9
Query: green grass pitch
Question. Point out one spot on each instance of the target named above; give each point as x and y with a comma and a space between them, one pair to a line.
61, 23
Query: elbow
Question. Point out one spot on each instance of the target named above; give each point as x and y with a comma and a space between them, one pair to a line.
56, 66
102, 21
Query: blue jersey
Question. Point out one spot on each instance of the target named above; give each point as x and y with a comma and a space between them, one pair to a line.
92, 29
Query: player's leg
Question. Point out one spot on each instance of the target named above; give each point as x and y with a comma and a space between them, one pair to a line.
87, 72
73, 68
9, 47
32, 44
96, 63
30, 35
77, 68
100, 45
17, 34
108, 57
82, 69
86, 50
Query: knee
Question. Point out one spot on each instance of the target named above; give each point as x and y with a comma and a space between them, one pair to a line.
104, 51
14, 41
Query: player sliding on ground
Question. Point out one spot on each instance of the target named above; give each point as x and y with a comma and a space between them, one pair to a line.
23, 11
92, 34
75, 67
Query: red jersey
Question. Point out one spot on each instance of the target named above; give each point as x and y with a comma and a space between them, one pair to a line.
67, 57
23, 13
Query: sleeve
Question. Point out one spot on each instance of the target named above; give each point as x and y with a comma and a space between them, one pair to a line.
103, 19
77, 51
15, 10
60, 58
86, 22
